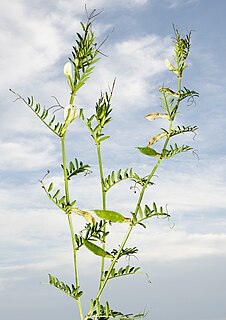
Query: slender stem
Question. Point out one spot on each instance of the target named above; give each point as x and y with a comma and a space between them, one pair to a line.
138, 202
101, 177
72, 97
114, 262
66, 186
164, 147
103, 207
67, 195
145, 185
127, 234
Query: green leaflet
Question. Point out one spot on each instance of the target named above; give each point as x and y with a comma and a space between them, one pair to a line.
99, 311
148, 151
115, 177
72, 291
104, 138
128, 270
174, 150
43, 114
112, 216
50, 187
96, 250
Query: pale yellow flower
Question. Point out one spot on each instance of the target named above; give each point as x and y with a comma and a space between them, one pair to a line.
68, 69
156, 115
169, 66
156, 138
70, 113
85, 214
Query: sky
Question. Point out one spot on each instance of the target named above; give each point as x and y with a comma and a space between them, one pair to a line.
185, 257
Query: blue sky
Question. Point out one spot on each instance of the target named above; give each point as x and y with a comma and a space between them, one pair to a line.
186, 264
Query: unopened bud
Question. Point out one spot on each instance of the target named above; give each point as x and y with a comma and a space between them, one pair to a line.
76, 62
68, 69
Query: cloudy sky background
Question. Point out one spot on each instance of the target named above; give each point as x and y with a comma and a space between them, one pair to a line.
186, 264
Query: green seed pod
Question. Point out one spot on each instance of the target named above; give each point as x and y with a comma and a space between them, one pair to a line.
96, 250
112, 216
148, 151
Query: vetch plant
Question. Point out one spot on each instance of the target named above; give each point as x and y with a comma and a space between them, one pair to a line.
98, 221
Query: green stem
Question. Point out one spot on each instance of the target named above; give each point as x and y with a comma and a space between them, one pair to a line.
72, 97
66, 186
103, 207
67, 195
127, 234
138, 202
114, 262
145, 185
101, 177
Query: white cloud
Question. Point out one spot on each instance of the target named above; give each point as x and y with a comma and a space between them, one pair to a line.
137, 64
29, 45
46, 233
174, 245
191, 187
177, 3
27, 154
34, 41
117, 3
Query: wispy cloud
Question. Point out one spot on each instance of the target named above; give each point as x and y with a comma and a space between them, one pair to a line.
25, 154
178, 3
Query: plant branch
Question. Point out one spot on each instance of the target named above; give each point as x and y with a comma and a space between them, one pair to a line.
103, 192
66, 186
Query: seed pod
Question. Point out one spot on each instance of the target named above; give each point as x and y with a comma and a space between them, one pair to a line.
148, 151
112, 216
96, 250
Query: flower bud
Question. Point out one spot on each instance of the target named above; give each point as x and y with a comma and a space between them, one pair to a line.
68, 69
70, 113
76, 62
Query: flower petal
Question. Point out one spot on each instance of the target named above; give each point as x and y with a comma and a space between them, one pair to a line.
70, 113
156, 115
